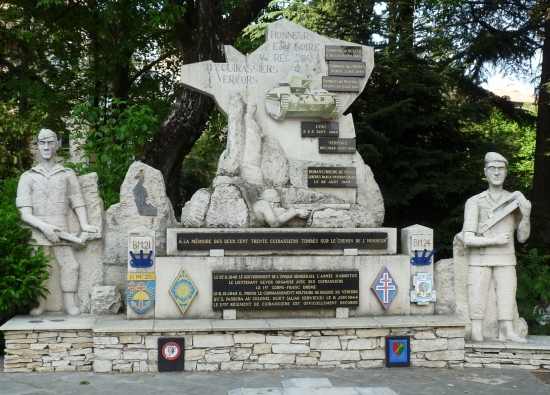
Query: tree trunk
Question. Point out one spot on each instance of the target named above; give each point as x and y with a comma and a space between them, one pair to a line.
200, 33
184, 125
406, 25
541, 189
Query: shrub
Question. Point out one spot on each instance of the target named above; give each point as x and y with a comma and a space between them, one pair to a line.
23, 269
533, 287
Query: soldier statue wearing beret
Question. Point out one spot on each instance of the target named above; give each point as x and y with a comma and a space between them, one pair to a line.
491, 219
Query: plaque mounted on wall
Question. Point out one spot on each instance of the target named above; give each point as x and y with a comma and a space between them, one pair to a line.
262, 290
347, 69
329, 145
331, 177
342, 84
290, 240
343, 52
320, 129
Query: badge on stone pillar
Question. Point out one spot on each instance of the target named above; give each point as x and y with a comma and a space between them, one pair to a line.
422, 291
385, 288
183, 291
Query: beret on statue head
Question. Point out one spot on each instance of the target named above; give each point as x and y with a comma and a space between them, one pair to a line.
495, 157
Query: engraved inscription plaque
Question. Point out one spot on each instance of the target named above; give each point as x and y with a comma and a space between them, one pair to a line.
342, 84
331, 177
347, 69
291, 240
255, 290
329, 145
343, 52
320, 129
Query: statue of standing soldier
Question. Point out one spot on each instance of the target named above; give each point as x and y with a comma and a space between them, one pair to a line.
45, 194
490, 220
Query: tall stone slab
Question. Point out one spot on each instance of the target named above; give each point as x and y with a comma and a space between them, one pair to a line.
417, 242
143, 204
140, 290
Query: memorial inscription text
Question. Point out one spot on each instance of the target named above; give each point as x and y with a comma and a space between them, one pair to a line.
253, 290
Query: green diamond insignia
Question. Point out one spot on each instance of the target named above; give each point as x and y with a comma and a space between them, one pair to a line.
183, 291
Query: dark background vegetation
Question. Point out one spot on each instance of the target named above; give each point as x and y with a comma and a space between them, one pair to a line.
423, 123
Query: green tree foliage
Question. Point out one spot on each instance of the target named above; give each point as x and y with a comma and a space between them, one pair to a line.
115, 136
23, 270
533, 293
200, 165
422, 123
16, 133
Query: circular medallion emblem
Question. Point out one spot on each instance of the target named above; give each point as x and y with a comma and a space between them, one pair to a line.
171, 351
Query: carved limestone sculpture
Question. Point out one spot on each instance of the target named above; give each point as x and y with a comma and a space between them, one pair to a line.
45, 195
278, 99
490, 220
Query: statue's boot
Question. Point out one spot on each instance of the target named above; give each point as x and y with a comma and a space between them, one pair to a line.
39, 310
70, 305
477, 330
506, 332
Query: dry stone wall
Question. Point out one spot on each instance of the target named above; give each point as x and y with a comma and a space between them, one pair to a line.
56, 351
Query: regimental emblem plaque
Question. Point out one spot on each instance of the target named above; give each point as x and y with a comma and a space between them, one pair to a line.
398, 351
183, 291
423, 292
141, 295
385, 288
171, 352
141, 250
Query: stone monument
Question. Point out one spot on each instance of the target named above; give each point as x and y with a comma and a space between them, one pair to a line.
45, 196
288, 142
290, 182
491, 219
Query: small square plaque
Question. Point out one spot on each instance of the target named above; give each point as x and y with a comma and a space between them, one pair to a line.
398, 351
171, 352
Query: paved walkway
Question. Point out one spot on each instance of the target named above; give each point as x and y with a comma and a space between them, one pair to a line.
283, 382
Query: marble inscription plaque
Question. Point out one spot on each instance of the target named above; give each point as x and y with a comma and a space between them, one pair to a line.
260, 290
329, 145
320, 129
343, 52
331, 177
342, 84
347, 69
291, 240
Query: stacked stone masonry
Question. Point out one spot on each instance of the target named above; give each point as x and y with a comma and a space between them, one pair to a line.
138, 352
477, 356
56, 351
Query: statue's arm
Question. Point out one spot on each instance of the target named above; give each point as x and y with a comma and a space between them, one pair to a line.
78, 204
524, 225
471, 238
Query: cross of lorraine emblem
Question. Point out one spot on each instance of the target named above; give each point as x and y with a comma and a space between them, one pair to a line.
385, 288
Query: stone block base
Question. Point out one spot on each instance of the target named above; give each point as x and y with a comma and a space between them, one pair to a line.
535, 354
113, 344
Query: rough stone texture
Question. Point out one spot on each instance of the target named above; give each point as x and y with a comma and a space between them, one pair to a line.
59, 351
263, 147
330, 218
368, 194
274, 163
143, 204
507, 355
227, 208
444, 282
106, 299
347, 348
194, 211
